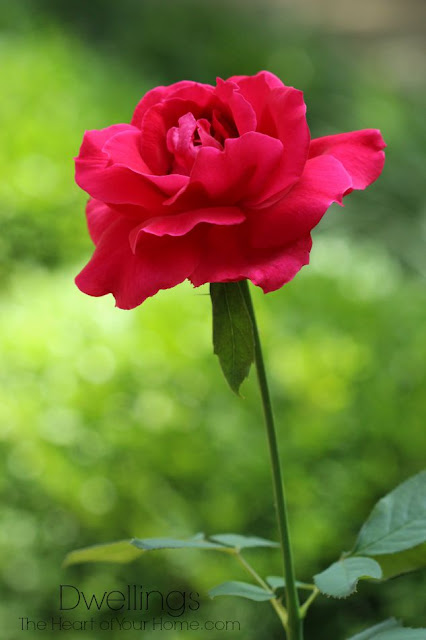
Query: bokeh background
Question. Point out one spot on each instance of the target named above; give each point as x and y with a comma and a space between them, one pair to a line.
116, 424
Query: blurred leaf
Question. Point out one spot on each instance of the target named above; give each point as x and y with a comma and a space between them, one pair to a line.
401, 634
372, 632
232, 332
395, 564
276, 582
125, 551
397, 522
341, 578
197, 542
241, 589
121, 551
242, 542
390, 630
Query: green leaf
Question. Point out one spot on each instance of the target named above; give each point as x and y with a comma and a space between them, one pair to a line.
390, 630
394, 535
372, 631
277, 582
128, 550
341, 578
401, 634
242, 542
277, 585
243, 590
197, 542
397, 522
232, 332
395, 564
121, 551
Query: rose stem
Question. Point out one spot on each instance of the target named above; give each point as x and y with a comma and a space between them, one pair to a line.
295, 629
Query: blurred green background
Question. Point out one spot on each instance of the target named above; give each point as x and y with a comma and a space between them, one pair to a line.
116, 424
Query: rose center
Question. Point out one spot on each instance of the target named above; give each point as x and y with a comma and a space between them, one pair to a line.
185, 141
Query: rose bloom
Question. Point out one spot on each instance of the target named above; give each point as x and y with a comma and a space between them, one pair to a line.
214, 184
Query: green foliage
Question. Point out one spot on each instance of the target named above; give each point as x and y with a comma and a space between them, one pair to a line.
390, 630
373, 631
397, 522
277, 584
341, 578
396, 525
197, 542
243, 590
120, 551
91, 391
57, 88
232, 332
395, 564
243, 542
124, 550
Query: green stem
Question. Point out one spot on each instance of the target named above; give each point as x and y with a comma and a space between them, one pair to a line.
243, 562
305, 606
295, 628
276, 605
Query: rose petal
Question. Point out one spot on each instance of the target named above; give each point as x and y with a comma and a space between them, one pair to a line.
184, 88
281, 113
323, 182
240, 172
154, 141
155, 125
284, 117
256, 88
117, 183
99, 217
181, 223
360, 152
197, 92
159, 263
95, 139
242, 112
124, 149
228, 257
180, 143
280, 267
204, 132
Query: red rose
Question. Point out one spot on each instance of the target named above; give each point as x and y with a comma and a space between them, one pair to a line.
213, 184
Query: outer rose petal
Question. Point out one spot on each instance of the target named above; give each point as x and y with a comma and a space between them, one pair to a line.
228, 257
281, 113
278, 268
99, 218
159, 263
360, 152
323, 182
124, 149
94, 140
181, 223
119, 183
284, 117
